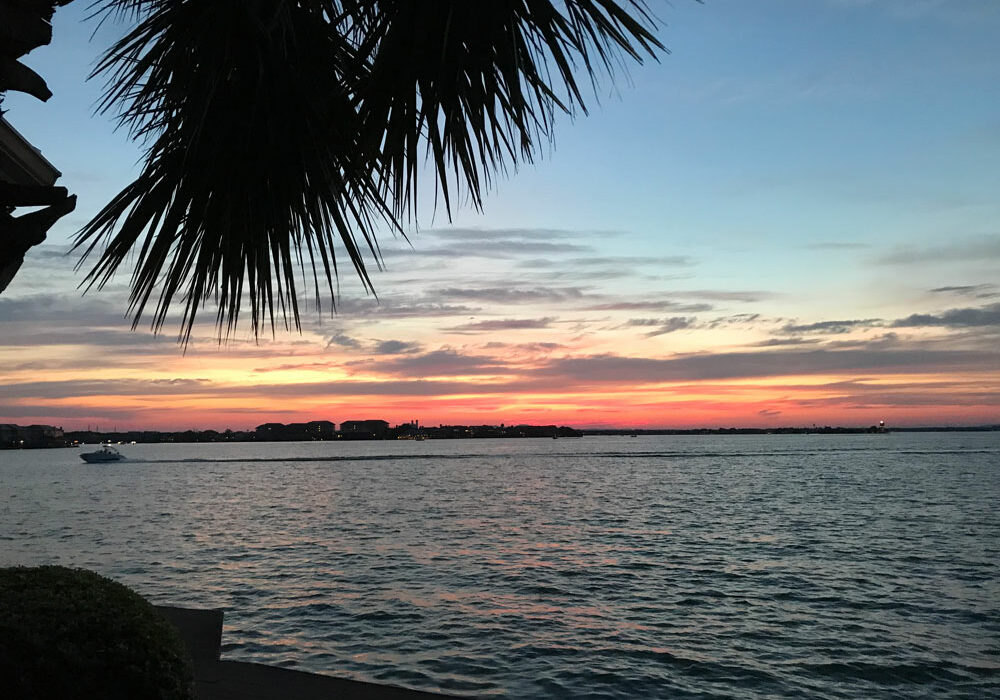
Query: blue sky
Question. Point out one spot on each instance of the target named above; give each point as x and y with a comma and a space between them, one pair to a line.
798, 162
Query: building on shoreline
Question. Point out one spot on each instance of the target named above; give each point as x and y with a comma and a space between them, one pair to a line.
364, 429
30, 436
298, 432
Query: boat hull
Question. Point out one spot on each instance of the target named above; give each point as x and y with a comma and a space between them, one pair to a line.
100, 456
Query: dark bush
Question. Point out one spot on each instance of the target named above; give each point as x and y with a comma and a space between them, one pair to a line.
70, 633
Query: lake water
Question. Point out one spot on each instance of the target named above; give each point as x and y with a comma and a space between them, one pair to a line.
780, 566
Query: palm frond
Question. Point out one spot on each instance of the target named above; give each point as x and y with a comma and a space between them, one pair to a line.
278, 129
254, 158
474, 86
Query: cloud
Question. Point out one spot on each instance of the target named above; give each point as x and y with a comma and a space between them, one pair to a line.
725, 295
509, 243
395, 347
55, 309
643, 322
672, 324
397, 307
954, 318
512, 295
52, 252
970, 249
298, 366
616, 368
479, 235
342, 340
526, 347
875, 396
622, 263
394, 387
831, 326
662, 325
625, 260
669, 302
491, 249
402, 385
778, 342
508, 324
377, 347
444, 362
879, 342
105, 387
122, 343
649, 306
22, 411
415, 252
733, 320
987, 316
979, 291
861, 392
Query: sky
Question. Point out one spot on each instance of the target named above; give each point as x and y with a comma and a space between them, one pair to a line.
790, 219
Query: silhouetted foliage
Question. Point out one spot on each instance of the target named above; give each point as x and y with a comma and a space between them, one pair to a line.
70, 633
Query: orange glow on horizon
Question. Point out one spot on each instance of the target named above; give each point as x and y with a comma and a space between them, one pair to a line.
786, 401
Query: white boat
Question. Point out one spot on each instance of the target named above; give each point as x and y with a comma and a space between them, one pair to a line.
106, 454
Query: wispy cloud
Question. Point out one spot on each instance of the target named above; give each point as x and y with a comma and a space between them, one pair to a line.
105, 387
525, 347
508, 235
398, 307
342, 340
512, 295
507, 324
978, 291
954, 318
969, 249
662, 326
662, 305
734, 320
779, 342
56, 309
438, 363
492, 249
377, 347
973, 317
603, 368
876, 343
830, 326
395, 347
747, 296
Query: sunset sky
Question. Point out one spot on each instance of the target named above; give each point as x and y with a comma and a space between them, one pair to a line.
790, 219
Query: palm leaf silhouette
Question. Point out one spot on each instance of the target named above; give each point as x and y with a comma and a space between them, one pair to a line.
281, 130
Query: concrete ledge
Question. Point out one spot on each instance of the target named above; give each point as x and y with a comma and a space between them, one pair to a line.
201, 631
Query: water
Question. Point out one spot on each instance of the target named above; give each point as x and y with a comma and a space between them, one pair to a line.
682, 567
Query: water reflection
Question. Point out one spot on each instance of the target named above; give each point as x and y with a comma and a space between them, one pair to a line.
727, 566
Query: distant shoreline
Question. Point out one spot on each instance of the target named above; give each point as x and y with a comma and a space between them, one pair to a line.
825, 430
58, 438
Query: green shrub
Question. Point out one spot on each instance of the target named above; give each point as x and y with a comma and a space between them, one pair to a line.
70, 633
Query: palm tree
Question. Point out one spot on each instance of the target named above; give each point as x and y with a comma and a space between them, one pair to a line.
276, 128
